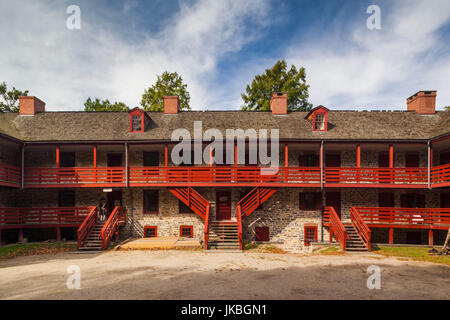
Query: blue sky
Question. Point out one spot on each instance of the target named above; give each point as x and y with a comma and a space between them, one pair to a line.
219, 46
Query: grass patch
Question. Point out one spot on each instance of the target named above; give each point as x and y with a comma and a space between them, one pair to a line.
262, 248
414, 253
29, 249
331, 251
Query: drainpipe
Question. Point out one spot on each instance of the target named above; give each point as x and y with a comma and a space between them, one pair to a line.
22, 182
126, 164
429, 164
321, 164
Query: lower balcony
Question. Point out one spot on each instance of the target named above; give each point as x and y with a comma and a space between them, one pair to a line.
10, 176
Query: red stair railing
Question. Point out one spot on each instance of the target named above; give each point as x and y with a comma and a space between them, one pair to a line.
86, 227
361, 227
207, 226
111, 226
337, 229
192, 199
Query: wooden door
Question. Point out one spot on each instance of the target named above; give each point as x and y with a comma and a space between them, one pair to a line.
113, 199
223, 205
333, 199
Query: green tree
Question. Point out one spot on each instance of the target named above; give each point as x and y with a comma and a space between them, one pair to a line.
278, 79
105, 105
447, 108
10, 98
167, 84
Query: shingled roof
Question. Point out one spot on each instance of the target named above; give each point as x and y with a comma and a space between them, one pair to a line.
114, 126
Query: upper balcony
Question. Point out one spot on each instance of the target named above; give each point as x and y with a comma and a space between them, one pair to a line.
342, 165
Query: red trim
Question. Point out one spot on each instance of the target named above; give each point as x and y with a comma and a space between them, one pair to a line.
136, 112
155, 228
191, 231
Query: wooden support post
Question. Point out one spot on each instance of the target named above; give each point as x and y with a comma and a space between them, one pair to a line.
58, 234
358, 156
286, 156
23, 167
57, 156
235, 155
210, 156
94, 153
391, 235
20, 235
166, 156
391, 156
430, 163
0, 237
331, 234
430, 237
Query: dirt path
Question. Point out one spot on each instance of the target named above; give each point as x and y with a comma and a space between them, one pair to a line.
200, 275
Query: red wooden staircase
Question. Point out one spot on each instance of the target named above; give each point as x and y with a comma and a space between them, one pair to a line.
197, 203
255, 198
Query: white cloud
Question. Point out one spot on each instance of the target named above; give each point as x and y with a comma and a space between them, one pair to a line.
381, 68
64, 67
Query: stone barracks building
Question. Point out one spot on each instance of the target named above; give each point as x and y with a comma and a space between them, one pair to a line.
355, 177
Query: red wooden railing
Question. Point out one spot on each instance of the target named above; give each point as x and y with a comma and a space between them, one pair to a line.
192, 199
440, 175
10, 176
86, 227
111, 226
433, 218
108, 176
376, 175
207, 226
337, 228
361, 227
148, 175
239, 223
39, 217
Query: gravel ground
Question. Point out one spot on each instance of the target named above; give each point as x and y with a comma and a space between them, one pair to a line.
200, 275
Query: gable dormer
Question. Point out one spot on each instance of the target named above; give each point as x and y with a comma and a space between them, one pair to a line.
318, 118
138, 120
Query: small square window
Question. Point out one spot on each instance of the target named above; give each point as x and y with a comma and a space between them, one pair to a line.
136, 123
262, 234
187, 231
150, 232
310, 235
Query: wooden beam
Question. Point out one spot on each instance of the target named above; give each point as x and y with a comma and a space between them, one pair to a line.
126, 165
58, 234
430, 237
210, 156
321, 164
429, 164
22, 178
20, 235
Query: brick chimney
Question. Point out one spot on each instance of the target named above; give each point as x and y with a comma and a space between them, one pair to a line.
171, 104
29, 105
278, 103
423, 102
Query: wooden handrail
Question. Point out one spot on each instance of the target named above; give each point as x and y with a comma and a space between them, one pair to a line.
337, 228
239, 223
207, 226
86, 227
10, 175
440, 175
376, 175
111, 227
361, 227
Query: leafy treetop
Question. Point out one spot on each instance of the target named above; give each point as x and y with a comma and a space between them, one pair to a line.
278, 79
167, 84
10, 98
105, 105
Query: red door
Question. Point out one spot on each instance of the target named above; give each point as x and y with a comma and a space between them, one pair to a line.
223, 205
333, 199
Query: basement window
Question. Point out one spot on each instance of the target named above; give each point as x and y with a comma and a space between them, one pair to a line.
150, 232
187, 231
310, 234
151, 201
262, 234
